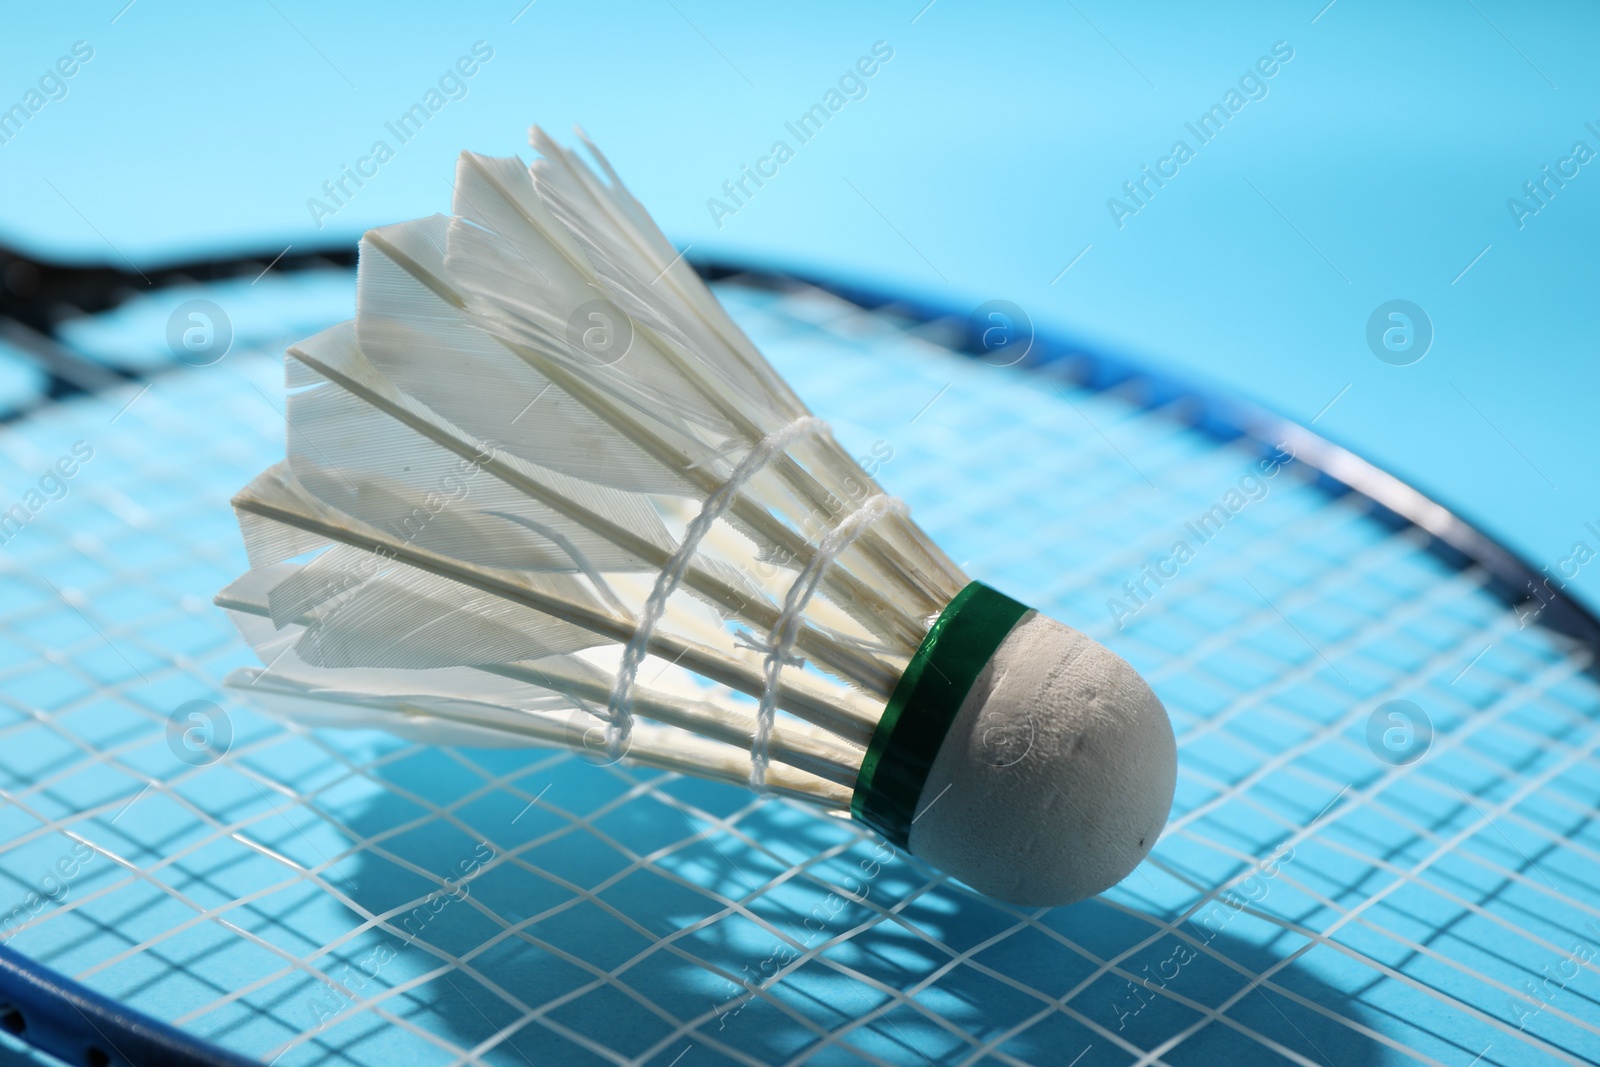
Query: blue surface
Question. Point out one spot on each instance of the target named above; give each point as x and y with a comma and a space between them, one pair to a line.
978, 165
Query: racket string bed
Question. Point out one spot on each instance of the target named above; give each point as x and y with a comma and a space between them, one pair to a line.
353, 898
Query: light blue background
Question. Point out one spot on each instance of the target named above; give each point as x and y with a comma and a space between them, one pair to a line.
977, 167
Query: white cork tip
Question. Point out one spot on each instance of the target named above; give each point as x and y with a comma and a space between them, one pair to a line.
1056, 776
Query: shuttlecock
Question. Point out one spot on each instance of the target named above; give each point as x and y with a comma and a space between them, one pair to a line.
543, 491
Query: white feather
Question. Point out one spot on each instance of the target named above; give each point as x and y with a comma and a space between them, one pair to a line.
475, 510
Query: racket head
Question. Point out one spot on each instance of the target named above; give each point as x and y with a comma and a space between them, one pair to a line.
1335, 881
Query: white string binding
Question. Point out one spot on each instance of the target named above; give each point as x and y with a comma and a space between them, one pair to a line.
619, 716
787, 628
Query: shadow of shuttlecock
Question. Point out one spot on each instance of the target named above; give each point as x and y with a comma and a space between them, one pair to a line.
551, 907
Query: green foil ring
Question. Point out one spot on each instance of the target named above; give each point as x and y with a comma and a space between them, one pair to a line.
924, 704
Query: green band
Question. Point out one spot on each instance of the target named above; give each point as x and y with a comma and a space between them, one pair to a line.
924, 704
